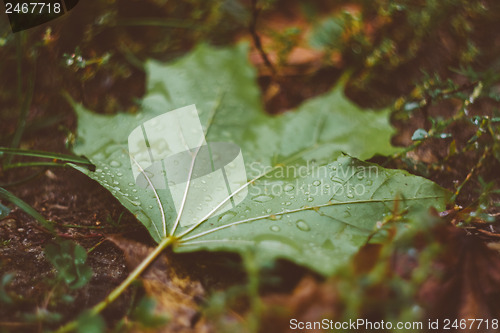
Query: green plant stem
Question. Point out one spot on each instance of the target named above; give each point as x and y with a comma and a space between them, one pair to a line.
253, 291
166, 242
96, 245
77, 226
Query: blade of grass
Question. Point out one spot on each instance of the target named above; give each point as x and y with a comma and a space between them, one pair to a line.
25, 103
45, 154
6, 195
34, 164
24, 180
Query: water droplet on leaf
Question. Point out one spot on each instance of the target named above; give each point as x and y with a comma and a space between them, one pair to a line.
227, 216
302, 225
262, 198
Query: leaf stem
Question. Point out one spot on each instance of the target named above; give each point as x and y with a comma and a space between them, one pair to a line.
166, 242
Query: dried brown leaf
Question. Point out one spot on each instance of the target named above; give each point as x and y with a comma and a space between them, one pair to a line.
176, 295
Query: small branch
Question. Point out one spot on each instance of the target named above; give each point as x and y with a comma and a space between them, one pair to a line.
256, 38
469, 175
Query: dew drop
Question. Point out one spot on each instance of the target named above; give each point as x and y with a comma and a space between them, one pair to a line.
316, 183
119, 174
115, 164
288, 187
262, 198
208, 198
369, 183
310, 199
131, 184
350, 195
141, 216
227, 216
303, 225
4, 211
275, 228
288, 203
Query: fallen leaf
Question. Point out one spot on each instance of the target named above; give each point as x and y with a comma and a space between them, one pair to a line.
176, 295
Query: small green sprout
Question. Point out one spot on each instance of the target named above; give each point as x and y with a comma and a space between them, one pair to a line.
69, 260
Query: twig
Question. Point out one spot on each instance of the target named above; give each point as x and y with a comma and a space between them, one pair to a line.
469, 175
256, 38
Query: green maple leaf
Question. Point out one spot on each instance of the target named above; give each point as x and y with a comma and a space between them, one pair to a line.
306, 200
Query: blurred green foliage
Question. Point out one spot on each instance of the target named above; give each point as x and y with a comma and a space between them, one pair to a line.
69, 260
389, 43
99, 47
